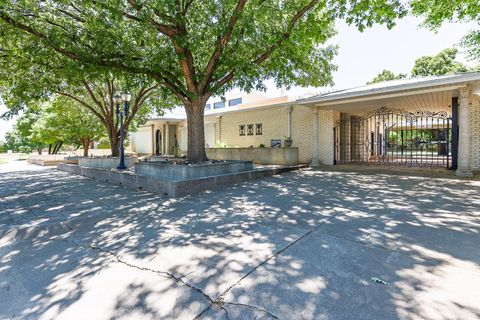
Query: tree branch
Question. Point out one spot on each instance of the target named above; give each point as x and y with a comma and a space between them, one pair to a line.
167, 30
221, 44
94, 98
83, 103
268, 52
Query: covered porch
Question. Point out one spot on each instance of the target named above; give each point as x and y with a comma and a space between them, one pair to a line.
160, 137
406, 123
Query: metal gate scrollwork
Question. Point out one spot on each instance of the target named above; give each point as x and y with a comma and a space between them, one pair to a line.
395, 137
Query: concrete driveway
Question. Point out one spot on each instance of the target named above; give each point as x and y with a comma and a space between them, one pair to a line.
303, 245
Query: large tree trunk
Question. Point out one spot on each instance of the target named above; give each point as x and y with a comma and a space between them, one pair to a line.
114, 138
196, 131
39, 150
114, 145
86, 146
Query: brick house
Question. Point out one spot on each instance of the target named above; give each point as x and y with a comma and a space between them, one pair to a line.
430, 122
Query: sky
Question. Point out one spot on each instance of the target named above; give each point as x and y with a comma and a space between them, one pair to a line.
363, 55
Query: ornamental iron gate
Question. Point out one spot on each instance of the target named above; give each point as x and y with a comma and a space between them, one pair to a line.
394, 137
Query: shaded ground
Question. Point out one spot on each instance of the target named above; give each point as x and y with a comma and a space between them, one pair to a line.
303, 245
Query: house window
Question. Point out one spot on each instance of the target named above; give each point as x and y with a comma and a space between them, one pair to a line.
208, 106
258, 129
219, 105
234, 102
249, 129
241, 129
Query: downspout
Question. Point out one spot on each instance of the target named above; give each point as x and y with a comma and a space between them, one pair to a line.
219, 130
289, 125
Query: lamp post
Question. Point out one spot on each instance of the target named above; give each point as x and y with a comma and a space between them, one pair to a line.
122, 116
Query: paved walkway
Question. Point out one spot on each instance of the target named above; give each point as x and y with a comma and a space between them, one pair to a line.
303, 245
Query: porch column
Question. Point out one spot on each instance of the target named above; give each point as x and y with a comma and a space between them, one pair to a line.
154, 141
464, 169
315, 142
167, 139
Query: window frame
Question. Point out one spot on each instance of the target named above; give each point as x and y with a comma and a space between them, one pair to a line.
250, 131
234, 102
258, 129
241, 130
215, 105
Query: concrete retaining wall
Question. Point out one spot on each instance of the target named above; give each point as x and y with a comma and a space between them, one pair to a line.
171, 188
279, 156
106, 163
183, 172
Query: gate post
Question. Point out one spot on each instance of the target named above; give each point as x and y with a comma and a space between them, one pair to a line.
463, 162
454, 140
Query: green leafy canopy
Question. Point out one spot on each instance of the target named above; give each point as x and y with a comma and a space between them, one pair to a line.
387, 75
175, 42
436, 12
192, 48
442, 63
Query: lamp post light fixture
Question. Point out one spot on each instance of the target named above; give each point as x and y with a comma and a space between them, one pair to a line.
122, 117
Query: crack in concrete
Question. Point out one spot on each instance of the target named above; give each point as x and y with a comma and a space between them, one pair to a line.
219, 301
164, 274
221, 297
277, 253
268, 313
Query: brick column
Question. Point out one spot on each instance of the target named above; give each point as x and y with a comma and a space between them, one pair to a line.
464, 168
315, 142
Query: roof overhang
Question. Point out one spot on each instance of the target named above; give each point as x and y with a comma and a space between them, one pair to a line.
413, 87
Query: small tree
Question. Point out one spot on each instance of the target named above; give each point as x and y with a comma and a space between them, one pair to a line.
90, 88
53, 124
97, 99
387, 75
71, 123
20, 137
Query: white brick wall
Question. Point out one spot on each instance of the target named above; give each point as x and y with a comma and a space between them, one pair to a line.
326, 120
275, 126
302, 130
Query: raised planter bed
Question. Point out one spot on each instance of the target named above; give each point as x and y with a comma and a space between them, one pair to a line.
171, 171
47, 159
105, 163
267, 156
173, 188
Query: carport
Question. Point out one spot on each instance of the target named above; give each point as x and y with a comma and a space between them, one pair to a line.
423, 122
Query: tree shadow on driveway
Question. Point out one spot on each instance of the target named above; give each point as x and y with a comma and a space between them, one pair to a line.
303, 245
